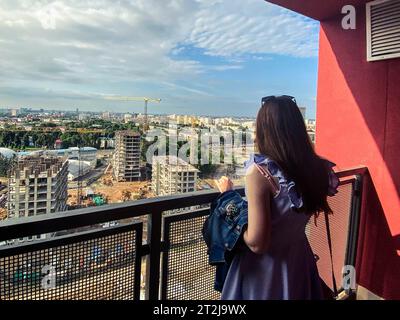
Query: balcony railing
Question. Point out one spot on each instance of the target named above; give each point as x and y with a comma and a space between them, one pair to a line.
156, 250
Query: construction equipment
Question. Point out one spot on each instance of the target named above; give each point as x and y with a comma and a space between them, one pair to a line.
146, 101
86, 130
98, 200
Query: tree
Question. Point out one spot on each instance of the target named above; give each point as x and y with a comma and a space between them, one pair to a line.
126, 195
6, 164
25, 140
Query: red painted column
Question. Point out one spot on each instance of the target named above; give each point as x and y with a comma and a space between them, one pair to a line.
358, 123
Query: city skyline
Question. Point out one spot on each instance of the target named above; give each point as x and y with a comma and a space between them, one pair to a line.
50, 111
199, 57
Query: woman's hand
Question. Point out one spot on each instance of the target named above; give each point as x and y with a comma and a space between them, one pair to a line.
224, 184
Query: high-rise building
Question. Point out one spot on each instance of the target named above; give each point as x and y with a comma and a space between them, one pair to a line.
37, 185
126, 162
303, 111
83, 116
128, 117
171, 175
206, 121
14, 112
106, 115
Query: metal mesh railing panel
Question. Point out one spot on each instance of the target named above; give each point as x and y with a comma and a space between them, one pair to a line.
101, 268
339, 226
189, 276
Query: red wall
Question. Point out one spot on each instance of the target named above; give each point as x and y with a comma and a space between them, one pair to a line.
358, 123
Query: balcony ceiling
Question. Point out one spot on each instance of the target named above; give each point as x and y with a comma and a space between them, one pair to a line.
317, 9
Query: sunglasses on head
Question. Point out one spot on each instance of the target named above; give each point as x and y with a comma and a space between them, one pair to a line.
270, 98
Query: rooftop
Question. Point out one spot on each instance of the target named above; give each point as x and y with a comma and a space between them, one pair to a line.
174, 163
38, 164
128, 133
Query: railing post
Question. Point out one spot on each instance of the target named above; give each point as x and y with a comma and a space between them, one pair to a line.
354, 222
154, 222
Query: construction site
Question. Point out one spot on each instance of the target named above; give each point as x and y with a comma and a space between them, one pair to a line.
92, 177
107, 190
118, 179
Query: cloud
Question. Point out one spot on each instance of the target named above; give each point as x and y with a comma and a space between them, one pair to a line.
252, 26
188, 89
225, 67
92, 40
98, 44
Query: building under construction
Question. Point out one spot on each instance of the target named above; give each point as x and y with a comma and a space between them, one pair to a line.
171, 175
126, 163
37, 185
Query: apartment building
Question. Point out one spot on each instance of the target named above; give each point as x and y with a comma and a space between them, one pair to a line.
303, 111
171, 175
37, 185
126, 162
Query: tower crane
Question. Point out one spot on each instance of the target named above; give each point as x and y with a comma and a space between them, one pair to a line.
145, 99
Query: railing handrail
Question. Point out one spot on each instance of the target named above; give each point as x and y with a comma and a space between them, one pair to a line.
352, 171
52, 222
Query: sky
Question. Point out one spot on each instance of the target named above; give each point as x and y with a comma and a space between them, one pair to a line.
200, 57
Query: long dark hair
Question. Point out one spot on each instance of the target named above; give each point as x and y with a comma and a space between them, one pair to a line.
281, 135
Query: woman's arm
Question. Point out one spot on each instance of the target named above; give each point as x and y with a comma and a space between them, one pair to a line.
259, 191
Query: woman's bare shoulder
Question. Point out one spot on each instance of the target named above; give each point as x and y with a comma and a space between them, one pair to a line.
255, 179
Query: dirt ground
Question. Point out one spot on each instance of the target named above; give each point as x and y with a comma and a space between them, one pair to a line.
3, 213
114, 191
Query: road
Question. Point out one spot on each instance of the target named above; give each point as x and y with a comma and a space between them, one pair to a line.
88, 178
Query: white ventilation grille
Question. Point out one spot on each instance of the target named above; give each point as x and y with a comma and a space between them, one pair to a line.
383, 29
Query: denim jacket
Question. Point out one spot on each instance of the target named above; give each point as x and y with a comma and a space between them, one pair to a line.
222, 232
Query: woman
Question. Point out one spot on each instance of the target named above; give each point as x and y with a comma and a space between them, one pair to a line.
277, 262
